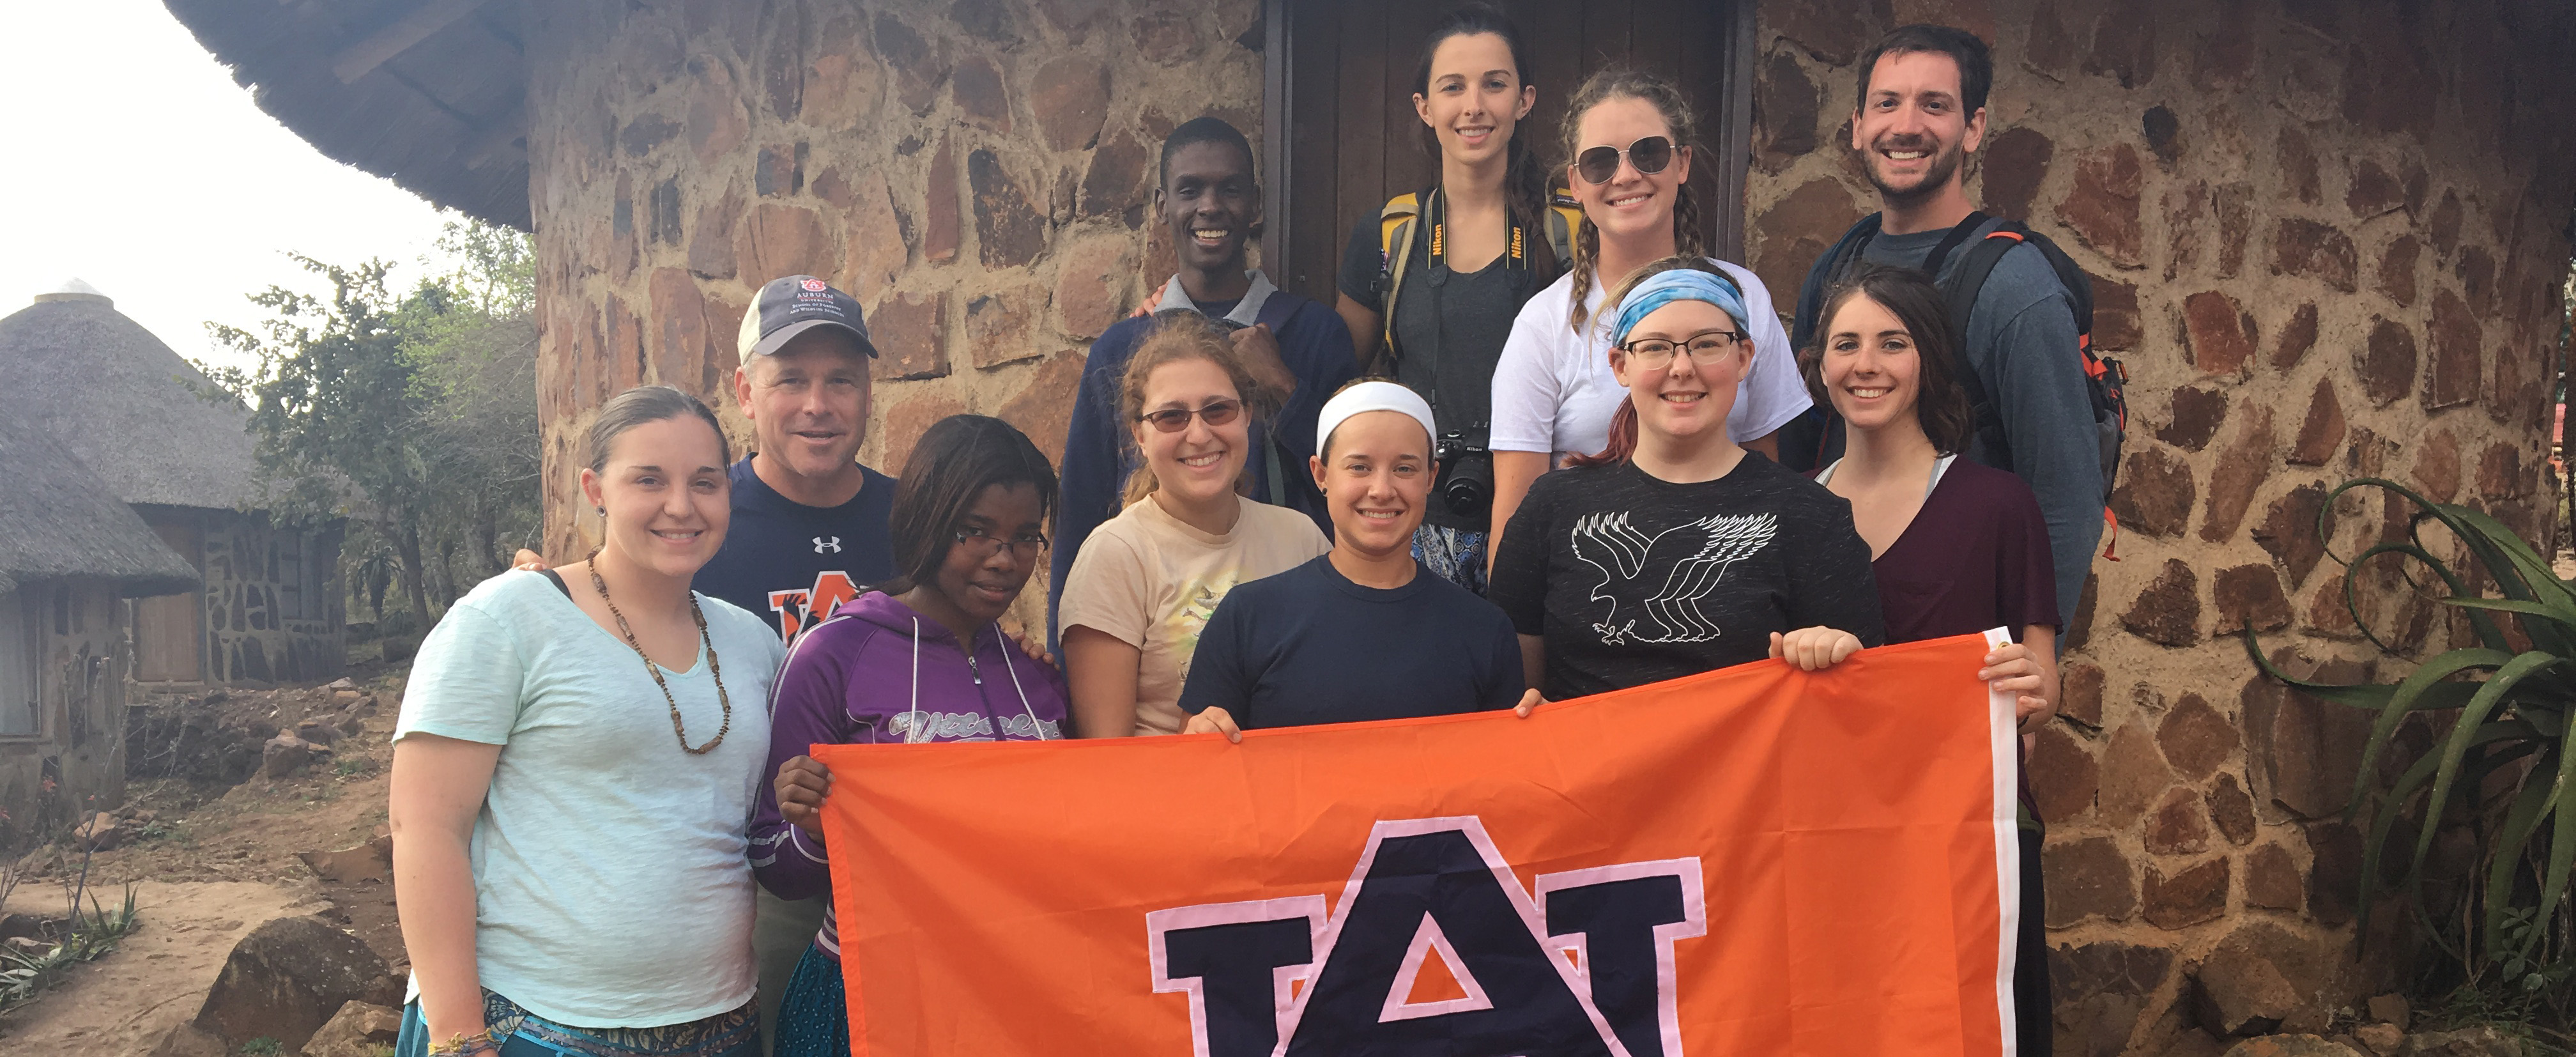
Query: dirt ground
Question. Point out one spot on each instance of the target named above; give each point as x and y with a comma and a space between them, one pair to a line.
211, 862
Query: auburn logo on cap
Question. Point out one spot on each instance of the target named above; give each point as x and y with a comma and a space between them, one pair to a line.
815, 286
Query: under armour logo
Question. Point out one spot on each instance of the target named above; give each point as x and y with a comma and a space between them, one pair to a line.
827, 544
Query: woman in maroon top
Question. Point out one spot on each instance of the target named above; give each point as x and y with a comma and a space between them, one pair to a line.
1956, 547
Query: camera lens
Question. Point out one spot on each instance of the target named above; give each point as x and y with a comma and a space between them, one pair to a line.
1467, 484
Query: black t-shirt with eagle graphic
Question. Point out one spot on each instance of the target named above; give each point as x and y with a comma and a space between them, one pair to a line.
1634, 580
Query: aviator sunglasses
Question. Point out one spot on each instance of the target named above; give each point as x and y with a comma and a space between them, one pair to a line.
1650, 155
1176, 419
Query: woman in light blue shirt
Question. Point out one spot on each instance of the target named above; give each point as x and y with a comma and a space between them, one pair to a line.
574, 770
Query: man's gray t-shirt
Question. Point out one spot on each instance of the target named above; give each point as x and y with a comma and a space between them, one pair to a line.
2021, 343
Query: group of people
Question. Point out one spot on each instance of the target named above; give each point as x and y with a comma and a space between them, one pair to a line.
1540, 448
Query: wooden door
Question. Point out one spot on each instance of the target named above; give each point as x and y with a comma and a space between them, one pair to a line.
169, 634
1342, 137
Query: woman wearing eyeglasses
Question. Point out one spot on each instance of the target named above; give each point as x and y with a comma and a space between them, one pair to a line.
1627, 139
1674, 551
1148, 579
919, 660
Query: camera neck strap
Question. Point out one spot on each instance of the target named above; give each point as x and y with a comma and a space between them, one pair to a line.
1436, 272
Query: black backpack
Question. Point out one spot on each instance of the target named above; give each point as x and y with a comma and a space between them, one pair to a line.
2105, 380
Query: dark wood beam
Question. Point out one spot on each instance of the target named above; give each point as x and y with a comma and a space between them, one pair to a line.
356, 60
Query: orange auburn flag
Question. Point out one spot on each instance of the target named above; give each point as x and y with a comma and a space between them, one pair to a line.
1753, 861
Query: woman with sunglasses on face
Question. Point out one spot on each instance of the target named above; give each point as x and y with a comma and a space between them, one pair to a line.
1957, 547
1148, 579
1674, 551
1627, 139
919, 660
1430, 283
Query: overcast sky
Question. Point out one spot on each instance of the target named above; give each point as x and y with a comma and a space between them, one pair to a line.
134, 162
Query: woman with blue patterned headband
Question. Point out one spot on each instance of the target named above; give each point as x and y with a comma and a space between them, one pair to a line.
1675, 551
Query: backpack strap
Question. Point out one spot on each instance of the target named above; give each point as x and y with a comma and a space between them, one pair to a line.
1961, 289
1395, 225
1949, 243
1820, 277
1564, 219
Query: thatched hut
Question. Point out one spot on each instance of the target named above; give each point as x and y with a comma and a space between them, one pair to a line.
2327, 238
266, 607
71, 554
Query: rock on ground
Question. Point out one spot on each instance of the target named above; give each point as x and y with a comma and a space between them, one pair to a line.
288, 977
2469, 1042
2293, 1046
356, 1031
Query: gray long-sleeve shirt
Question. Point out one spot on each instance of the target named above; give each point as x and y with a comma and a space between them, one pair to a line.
2021, 342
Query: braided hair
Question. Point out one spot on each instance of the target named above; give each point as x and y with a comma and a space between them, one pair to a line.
1689, 240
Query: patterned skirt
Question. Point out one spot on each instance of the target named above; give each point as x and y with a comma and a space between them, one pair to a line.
1455, 555
814, 1015
524, 1034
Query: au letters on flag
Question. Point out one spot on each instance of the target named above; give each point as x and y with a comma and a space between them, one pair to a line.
1752, 861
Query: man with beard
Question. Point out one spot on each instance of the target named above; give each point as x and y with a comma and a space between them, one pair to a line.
1922, 111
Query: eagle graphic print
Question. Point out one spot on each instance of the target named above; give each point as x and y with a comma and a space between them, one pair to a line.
1653, 585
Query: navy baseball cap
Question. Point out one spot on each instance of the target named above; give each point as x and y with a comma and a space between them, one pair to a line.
796, 304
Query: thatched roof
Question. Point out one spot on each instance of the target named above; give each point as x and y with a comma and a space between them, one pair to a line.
57, 519
426, 93
112, 394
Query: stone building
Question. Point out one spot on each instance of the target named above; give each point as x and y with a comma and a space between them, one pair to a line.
71, 554
267, 605
2327, 239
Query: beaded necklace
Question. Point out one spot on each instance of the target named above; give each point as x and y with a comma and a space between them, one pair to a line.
714, 668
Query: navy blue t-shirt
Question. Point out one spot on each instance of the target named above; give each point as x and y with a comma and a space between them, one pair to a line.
1309, 646
793, 564
1313, 344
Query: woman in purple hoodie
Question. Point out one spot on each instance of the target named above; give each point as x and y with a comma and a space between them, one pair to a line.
919, 659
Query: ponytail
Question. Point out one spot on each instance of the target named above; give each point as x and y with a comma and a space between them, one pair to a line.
1623, 438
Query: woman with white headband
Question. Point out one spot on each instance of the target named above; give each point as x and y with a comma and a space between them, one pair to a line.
1671, 552
1362, 632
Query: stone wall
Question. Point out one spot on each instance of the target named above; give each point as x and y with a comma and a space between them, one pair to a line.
975, 173
267, 621
76, 763
2328, 241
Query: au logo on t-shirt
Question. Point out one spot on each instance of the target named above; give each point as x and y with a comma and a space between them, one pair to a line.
799, 608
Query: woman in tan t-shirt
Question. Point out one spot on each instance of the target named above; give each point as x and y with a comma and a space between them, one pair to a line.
1146, 581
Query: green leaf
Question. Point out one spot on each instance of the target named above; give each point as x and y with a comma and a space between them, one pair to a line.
2490, 695
2519, 823
2561, 800
2413, 688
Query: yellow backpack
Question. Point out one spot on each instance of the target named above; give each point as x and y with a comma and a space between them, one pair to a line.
1395, 246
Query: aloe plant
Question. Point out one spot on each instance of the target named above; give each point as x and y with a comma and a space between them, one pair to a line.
2513, 702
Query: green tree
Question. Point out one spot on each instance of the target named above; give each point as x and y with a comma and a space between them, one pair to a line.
414, 417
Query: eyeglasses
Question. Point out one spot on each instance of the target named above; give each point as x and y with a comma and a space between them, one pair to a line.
1650, 155
986, 544
1708, 348
1176, 419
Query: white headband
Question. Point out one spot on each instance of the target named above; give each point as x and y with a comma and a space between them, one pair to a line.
1372, 396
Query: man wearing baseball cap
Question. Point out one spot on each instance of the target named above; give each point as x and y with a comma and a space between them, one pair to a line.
809, 522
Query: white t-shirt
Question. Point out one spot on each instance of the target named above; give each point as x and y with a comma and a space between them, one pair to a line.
611, 884
1554, 392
